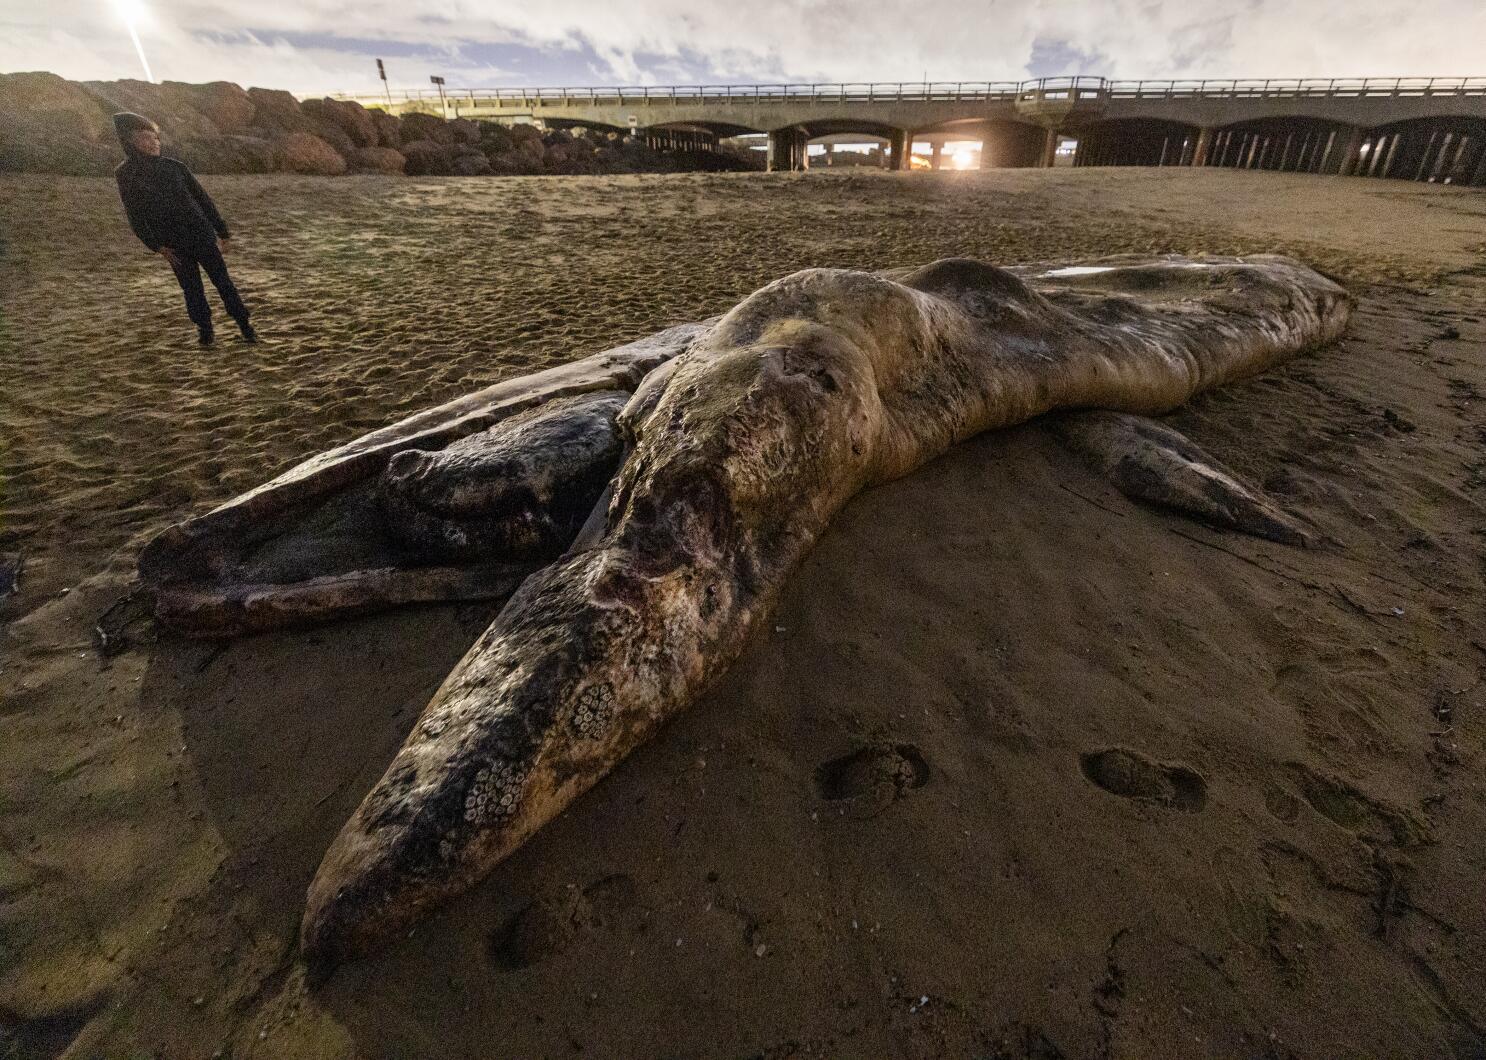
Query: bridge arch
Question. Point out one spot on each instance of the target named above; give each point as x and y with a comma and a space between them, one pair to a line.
665, 136
829, 132
1445, 150
570, 124
1292, 143
1004, 143
720, 129
789, 144
1136, 142
837, 126
713, 130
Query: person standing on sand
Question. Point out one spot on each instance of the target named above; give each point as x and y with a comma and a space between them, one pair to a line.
172, 214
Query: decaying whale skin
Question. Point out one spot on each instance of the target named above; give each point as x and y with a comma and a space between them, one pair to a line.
520, 489
314, 543
819, 385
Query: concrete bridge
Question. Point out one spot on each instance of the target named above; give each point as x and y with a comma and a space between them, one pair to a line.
1413, 128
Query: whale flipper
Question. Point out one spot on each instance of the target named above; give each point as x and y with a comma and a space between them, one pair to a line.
1149, 461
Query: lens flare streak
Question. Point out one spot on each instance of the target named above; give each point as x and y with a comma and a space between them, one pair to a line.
131, 10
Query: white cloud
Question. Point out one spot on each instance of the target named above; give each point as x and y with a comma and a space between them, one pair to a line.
655, 40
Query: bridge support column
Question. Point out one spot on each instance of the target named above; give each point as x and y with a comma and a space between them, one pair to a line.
987, 148
1204, 145
1377, 150
936, 154
777, 156
1478, 178
898, 146
1451, 165
1393, 150
1351, 153
1049, 150
786, 150
1320, 167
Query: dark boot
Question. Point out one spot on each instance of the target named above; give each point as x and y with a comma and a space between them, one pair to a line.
204, 335
249, 335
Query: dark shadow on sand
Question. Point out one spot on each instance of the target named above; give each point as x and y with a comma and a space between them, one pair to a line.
289, 730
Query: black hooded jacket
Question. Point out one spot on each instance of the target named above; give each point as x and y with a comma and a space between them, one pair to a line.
167, 206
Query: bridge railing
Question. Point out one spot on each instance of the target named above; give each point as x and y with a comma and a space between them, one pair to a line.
1050, 89
849, 92
1304, 87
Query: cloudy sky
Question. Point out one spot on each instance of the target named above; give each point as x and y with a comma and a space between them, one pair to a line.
329, 45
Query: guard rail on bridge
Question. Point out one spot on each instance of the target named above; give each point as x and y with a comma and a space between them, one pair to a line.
1048, 88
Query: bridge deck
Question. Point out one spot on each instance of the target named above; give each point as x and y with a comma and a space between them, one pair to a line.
1437, 122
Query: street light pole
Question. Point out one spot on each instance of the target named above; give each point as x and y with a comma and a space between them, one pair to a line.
443, 103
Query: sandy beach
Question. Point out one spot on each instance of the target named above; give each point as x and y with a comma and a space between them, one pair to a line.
1175, 792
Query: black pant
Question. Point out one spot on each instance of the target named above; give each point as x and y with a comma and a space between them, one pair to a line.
188, 268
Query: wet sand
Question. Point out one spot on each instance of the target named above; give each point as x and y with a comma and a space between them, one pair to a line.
1174, 792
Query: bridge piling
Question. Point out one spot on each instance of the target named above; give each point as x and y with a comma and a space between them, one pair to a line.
1204, 145
1326, 152
898, 146
1471, 168
1305, 160
1351, 153
786, 151
1392, 150
1453, 153
1423, 156
1478, 178
1377, 149
1049, 150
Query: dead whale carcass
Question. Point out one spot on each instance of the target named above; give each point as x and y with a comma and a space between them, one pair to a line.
741, 451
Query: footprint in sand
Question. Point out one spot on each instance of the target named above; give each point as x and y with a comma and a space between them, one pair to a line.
1354, 810
558, 920
1133, 776
871, 778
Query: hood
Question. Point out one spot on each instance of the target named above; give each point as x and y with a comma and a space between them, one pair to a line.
126, 124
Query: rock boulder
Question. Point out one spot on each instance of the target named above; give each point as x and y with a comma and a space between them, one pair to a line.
225, 105
170, 105
301, 152
419, 126
49, 125
343, 119
376, 160
227, 154
468, 161
275, 111
464, 131
389, 128
427, 159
